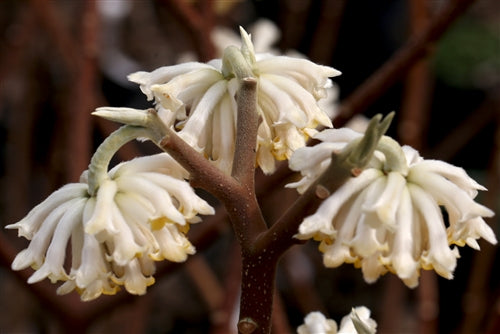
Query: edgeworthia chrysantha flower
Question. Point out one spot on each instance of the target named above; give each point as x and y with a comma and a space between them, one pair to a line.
389, 217
199, 100
356, 322
116, 227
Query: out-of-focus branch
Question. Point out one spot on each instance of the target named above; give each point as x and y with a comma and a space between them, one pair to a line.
205, 280
50, 21
476, 295
199, 23
415, 48
222, 318
84, 97
466, 130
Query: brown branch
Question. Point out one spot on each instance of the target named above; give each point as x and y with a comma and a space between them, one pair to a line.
221, 318
466, 130
246, 134
83, 99
205, 281
280, 323
415, 48
279, 237
50, 20
199, 24
477, 291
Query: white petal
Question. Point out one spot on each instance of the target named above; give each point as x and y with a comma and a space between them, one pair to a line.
224, 134
301, 98
32, 222
305, 72
401, 255
201, 113
342, 135
307, 158
125, 246
288, 111
316, 323
340, 251
190, 204
54, 261
160, 163
163, 75
186, 88
159, 199
456, 175
456, 200
358, 322
174, 246
469, 230
368, 240
372, 268
35, 253
439, 256
101, 219
134, 280
388, 201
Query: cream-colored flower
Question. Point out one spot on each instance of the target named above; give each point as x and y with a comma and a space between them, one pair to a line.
389, 218
356, 322
200, 101
315, 323
139, 215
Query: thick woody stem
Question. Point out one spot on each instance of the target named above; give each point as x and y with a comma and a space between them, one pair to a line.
246, 136
259, 266
236, 193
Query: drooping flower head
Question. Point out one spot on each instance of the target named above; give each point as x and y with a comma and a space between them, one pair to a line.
389, 218
136, 213
199, 100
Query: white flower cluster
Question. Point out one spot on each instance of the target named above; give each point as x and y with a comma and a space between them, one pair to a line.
139, 215
357, 322
200, 100
389, 218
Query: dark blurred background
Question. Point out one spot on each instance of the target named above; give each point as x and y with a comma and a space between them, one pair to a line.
59, 59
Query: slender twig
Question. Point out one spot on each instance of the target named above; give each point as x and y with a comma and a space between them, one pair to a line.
415, 48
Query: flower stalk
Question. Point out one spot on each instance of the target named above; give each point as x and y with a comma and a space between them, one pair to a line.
98, 168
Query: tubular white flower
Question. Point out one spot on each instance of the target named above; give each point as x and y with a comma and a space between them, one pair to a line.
389, 217
199, 100
137, 216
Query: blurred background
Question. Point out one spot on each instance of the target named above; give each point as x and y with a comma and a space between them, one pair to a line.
435, 62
